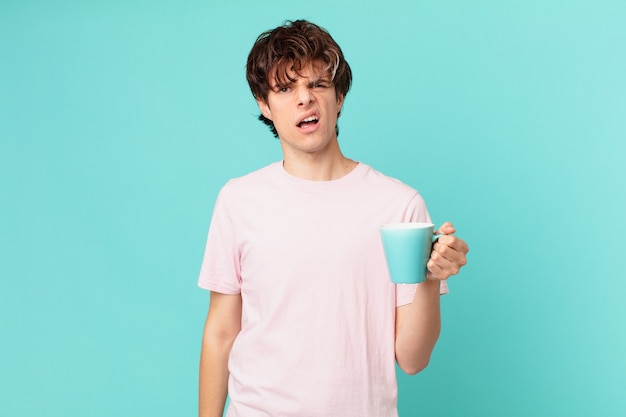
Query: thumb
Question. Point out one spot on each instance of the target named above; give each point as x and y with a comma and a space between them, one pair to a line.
445, 229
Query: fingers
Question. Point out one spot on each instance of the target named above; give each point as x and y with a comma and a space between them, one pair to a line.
452, 242
445, 229
435, 272
442, 267
447, 257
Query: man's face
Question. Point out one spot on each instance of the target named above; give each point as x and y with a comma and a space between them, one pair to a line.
304, 112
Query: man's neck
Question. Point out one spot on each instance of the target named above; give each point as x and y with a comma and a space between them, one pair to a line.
318, 168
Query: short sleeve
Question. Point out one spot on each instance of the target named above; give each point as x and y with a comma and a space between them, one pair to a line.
405, 292
220, 271
416, 212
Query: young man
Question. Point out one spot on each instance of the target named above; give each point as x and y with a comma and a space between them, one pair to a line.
303, 318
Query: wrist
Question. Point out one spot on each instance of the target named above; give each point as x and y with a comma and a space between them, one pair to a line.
430, 284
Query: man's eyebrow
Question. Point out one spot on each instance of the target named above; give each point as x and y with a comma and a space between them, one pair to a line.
278, 84
318, 80
281, 84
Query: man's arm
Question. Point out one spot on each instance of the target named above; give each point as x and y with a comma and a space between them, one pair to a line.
418, 324
220, 330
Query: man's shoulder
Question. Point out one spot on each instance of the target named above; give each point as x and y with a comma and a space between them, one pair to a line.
391, 184
251, 181
257, 174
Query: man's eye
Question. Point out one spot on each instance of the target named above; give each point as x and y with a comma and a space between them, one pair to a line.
283, 89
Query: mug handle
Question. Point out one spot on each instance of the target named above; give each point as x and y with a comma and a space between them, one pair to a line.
435, 237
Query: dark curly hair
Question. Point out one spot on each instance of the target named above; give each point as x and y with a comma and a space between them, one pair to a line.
291, 48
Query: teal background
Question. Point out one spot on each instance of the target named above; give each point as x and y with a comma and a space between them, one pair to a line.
120, 120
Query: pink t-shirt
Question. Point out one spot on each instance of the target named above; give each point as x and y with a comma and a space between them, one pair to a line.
318, 319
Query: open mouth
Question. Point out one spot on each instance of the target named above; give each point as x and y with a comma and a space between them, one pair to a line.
309, 121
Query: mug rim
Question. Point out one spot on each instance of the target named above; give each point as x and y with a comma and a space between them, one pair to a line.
407, 225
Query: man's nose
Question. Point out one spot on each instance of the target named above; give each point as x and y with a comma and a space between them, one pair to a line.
304, 95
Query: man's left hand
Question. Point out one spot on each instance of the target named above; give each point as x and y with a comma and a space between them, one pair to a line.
449, 254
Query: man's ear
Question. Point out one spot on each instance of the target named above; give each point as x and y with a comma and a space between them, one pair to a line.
340, 101
340, 104
265, 108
